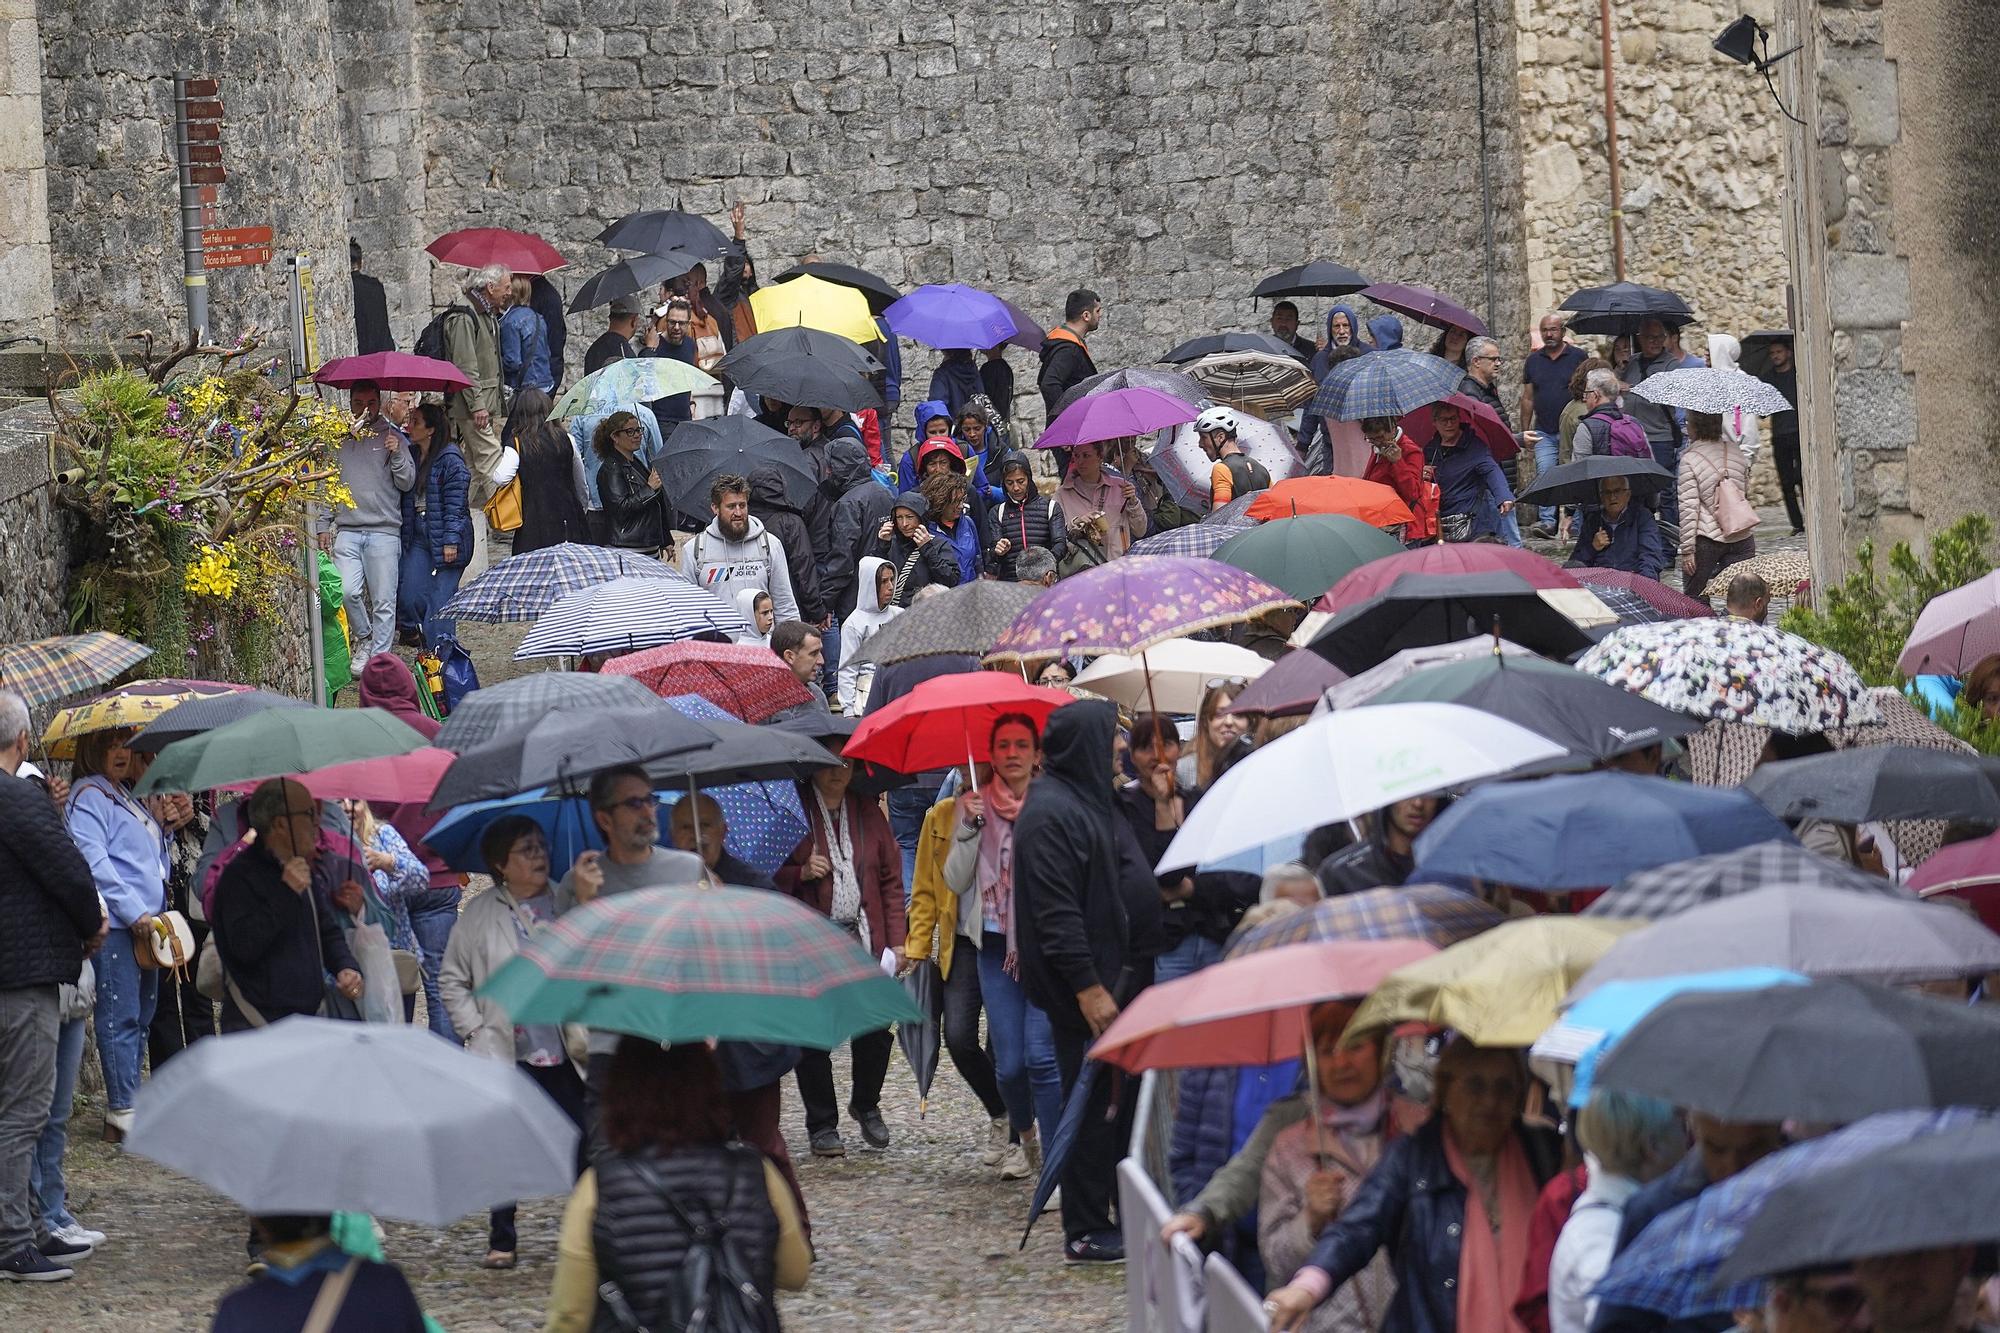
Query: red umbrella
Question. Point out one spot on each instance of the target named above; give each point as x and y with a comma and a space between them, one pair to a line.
1374, 578
1369, 501
397, 779
1668, 601
1481, 417
744, 679
394, 371
476, 247
948, 720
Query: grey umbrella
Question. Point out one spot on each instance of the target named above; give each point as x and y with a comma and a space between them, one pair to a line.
315, 1116
967, 620
485, 713
1881, 782
1934, 1191
1178, 383
1832, 1052
1820, 932
1675, 888
198, 715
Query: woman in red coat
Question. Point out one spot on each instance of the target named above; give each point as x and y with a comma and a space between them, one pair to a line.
848, 866
1397, 461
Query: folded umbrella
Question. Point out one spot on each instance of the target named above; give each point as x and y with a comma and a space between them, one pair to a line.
965, 620
206, 712
919, 1041
746, 680
1115, 415
1576, 482
1674, 888
134, 704
628, 614
1445, 558
952, 315
277, 742
1209, 344
1172, 677
564, 749
525, 586
1443, 916
45, 670
814, 303
639, 275
1318, 277
1423, 609
323, 1116
1354, 690
1369, 501
1392, 383
1129, 604
640, 379
1307, 555
880, 292
1881, 782
1671, 603
486, 712
657, 231
1584, 830
1294, 685
1480, 418
1261, 382
1712, 389
948, 720
516, 251
703, 451
1955, 630
393, 372
1173, 382
1425, 305
1734, 671
1056, 1152
804, 367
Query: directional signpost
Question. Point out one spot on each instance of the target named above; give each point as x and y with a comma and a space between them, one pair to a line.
205, 245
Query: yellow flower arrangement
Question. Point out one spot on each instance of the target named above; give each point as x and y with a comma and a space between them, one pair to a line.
212, 572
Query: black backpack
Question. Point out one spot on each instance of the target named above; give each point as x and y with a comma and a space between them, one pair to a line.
1246, 474
430, 342
714, 1292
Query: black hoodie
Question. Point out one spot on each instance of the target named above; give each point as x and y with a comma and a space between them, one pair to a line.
853, 519
788, 525
915, 566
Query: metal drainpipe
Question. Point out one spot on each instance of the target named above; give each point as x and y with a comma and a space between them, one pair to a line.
1611, 146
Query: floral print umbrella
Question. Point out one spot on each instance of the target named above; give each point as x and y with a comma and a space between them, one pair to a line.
1130, 604
1735, 671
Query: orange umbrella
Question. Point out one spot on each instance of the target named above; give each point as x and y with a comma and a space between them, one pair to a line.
1369, 501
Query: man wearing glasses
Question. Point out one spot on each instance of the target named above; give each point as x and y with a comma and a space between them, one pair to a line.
1482, 372
669, 337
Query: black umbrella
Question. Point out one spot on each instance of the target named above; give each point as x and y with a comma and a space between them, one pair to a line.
1318, 278
739, 752
881, 293
1830, 1052
630, 277
1422, 610
1575, 482
660, 230
1756, 355
566, 749
701, 451
814, 722
804, 367
1056, 1152
1880, 782
964, 621
1628, 299
199, 715
1196, 348
1182, 386
919, 1041
1933, 1192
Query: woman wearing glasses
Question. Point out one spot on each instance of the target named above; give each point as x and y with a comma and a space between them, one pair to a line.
635, 517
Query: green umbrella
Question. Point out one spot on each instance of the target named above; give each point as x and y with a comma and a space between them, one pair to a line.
639, 379
277, 743
690, 964
1309, 554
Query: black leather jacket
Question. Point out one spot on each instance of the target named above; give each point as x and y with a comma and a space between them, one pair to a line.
634, 511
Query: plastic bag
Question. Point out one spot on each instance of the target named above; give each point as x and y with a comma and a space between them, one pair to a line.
460, 679
381, 993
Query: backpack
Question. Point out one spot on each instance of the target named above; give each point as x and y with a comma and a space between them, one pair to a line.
1626, 438
430, 342
713, 1292
1246, 474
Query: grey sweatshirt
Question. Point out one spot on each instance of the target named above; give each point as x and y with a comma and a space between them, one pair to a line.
377, 479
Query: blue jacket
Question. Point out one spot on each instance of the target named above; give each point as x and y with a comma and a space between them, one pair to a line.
524, 350
1636, 546
447, 518
1462, 473
1413, 1204
966, 544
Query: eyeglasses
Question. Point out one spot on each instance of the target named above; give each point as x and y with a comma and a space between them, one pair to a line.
1225, 682
637, 803
630, 430
677, 324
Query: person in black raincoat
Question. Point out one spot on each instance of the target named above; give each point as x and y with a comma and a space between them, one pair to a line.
916, 553
783, 521
1384, 858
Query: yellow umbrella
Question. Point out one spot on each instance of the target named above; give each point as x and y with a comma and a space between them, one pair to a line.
1500, 988
814, 303
130, 705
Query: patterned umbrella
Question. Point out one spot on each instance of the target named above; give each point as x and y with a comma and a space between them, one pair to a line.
1130, 604
1735, 671
765, 819
1671, 603
1259, 382
627, 614
1425, 305
681, 965
747, 680
134, 704
1307, 555
485, 713
1369, 501
1112, 416
1413, 912
1237, 511
1712, 389
1394, 383
1196, 540
1378, 576
1954, 630
1136, 377
1788, 574
522, 587
638, 378
1630, 607
206, 713
1671, 889
49, 669
1186, 471
962, 621
1211, 344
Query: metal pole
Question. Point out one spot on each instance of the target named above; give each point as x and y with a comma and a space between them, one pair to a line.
1611, 146
194, 269
315, 626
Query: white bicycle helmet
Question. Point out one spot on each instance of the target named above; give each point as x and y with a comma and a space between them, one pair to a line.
1216, 418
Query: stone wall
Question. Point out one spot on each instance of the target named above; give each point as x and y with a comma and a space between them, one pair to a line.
113, 204
34, 533
381, 111
25, 292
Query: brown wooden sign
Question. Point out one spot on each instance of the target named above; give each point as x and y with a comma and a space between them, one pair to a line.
217, 238
204, 131
204, 110
205, 152
208, 175
237, 258
203, 87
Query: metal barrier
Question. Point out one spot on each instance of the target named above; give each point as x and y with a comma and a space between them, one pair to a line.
1233, 1307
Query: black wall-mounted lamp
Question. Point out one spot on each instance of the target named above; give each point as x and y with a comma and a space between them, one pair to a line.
1748, 42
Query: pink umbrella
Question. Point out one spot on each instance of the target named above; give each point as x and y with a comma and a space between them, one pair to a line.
397, 371
1483, 420
397, 779
516, 251
1114, 415
1373, 579
1955, 630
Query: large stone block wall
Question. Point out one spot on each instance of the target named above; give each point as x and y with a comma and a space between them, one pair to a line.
108, 119
26, 297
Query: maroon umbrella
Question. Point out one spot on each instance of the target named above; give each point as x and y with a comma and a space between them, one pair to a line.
1479, 417
1676, 605
395, 371
1374, 578
1292, 686
516, 251
1424, 305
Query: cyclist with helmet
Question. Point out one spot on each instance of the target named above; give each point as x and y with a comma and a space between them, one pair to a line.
1234, 472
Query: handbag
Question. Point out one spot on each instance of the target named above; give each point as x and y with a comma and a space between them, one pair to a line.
503, 510
166, 945
460, 677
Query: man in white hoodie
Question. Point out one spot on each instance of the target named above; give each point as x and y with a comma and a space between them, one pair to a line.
734, 551
873, 609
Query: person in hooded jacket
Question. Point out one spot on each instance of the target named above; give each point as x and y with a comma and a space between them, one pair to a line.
934, 426
1023, 518
876, 608
1386, 332
996, 378
982, 437
1343, 330
1385, 858
785, 522
955, 381
861, 505
906, 541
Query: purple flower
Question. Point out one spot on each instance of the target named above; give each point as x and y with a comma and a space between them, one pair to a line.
173, 411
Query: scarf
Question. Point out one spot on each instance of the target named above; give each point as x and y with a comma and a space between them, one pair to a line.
1494, 1243
996, 863
846, 905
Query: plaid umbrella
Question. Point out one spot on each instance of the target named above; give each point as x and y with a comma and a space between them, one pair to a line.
522, 587
1734, 671
1671, 889
487, 712
628, 614
1394, 383
1196, 540
1257, 382
1129, 604
1671, 603
961, 621
747, 680
50, 669
130, 705
1712, 389
1413, 912
1630, 607
685, 965
1186, 471
1173, 382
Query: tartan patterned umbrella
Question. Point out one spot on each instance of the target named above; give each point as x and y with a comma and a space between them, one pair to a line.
746, 680
49, 669
485, 713
628, 614
1735, 671
1132, 603
522, 587
130, 705
963, 621
1195, 541
1630, 607
1255, 381
1394, 383
1671, 603
1671, 889
1413, 912
690, 964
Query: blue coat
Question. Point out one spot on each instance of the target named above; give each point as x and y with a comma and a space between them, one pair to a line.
1636, 546
1466, 474
447, 517
524, 350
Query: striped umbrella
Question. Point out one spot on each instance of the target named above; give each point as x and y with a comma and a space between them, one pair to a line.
486, 713
687, 965
133, 704
1196, 540
628, 614
747, 680
522, 587
50, 669
1385, 384
1257, 382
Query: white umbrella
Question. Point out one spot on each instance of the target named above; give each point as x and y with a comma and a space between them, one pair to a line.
628, 614
1172, 677
1345, 764
314, 1116
1711, 389
1358, 690
1184, 469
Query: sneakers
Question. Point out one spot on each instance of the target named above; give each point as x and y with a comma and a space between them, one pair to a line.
1090, 1250
29, 1264
1031, 1144
1014, 1164
826, 1143
65, 1251
76, 1233
996, 1142
874, 1130
117, 1124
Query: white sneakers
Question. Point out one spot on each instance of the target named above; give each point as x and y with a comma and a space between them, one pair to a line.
996, 1142
78, 1234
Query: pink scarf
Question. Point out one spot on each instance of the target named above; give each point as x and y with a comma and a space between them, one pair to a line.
1489, 1265
996, 862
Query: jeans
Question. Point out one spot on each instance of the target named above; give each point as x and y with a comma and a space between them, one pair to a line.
564, 1087
45, 1171
1192, 954
125, 998
368, 562
870, 1053
1024, 1053
421, 590
28, 1024
907, 808
961, 1005
432, 915
829, 670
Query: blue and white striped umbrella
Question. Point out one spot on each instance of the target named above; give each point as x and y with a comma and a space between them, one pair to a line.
523, 586
1385, 384
627, 614
1199, 539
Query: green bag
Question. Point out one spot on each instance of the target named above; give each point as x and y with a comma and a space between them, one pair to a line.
333, 629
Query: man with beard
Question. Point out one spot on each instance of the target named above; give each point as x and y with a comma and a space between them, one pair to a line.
734, 552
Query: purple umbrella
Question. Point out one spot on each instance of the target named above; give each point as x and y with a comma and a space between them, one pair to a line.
1114, 415
1027, 333
1132, 603
1424, 305
952, 315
